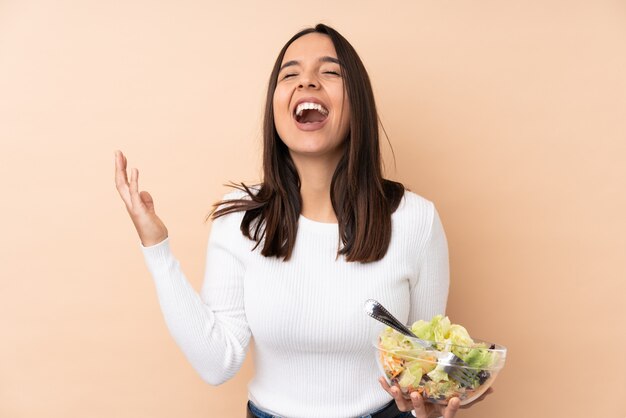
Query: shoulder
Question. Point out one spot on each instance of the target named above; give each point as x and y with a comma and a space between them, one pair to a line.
230, 223
414, 218
236, 198
414, 207
240, 192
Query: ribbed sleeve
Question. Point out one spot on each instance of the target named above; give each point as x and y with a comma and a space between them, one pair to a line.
429, 287
211, 329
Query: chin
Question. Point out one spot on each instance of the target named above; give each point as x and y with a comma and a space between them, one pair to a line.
315, 152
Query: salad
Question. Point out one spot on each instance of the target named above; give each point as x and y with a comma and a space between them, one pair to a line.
415, 368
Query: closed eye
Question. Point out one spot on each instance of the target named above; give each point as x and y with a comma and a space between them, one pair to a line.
331, 72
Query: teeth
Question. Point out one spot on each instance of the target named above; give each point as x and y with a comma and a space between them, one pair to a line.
308, 106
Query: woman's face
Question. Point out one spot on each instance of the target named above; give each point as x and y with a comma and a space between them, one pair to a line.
311, 109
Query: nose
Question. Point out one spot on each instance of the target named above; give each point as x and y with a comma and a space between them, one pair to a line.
307, 80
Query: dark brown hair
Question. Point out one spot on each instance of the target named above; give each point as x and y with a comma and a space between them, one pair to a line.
362, 199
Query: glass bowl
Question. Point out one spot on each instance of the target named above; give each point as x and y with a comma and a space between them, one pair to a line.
405, 362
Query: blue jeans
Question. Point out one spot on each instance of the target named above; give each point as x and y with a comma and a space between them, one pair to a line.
262, 414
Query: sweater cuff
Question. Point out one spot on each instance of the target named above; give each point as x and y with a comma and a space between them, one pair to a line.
160, 251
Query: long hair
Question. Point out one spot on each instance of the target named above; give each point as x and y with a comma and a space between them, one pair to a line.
362, 199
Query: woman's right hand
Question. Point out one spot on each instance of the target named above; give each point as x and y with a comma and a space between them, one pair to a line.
140, 205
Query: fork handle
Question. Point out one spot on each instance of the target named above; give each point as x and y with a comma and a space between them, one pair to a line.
379, 313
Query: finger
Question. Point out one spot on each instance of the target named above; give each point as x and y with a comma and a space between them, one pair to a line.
418, 405
402, 403
137, 204
390, 390
452, 408
384, 384
395, 392
118, 168
121, 180
120, 165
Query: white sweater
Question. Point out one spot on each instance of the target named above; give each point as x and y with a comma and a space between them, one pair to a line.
314, 354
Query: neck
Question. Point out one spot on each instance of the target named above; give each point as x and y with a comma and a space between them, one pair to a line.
316, 175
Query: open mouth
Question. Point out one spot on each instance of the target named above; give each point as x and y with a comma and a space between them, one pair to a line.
308, 112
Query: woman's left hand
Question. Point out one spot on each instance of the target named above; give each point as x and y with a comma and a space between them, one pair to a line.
424, 409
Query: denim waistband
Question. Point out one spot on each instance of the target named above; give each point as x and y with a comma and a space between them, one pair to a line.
258, 412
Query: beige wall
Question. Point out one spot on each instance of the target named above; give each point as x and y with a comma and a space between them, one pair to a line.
509, 116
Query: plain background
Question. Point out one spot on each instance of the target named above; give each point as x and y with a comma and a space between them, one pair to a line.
509, 116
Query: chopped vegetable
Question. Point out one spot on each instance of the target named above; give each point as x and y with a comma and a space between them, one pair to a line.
414, 367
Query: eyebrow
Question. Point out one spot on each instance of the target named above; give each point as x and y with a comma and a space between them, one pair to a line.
322, 59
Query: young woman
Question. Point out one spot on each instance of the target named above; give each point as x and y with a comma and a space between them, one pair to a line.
291, 261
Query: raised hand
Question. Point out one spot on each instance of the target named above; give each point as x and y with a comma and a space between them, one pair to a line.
140, 205
423, 409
